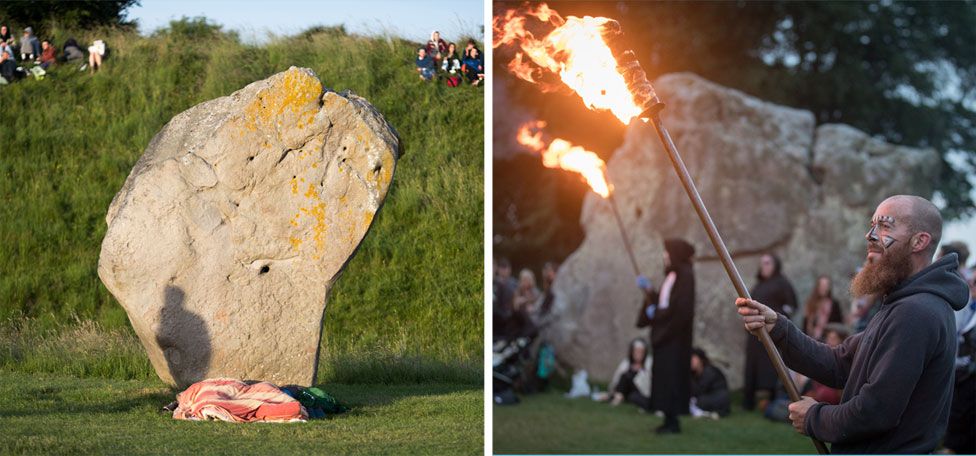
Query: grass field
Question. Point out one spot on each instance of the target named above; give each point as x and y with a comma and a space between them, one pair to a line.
402, 341
549, 423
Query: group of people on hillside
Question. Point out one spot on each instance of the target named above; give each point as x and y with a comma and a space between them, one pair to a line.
31, 56
439, 59
895, 371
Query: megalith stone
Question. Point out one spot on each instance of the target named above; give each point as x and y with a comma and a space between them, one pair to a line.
227, 235
772, 180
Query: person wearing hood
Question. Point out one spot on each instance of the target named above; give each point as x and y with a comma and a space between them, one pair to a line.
897, 375
436, 47
670, 312
72, 51
631, 381
775, 290
30, 47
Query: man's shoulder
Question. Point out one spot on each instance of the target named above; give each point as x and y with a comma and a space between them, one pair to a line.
922, 305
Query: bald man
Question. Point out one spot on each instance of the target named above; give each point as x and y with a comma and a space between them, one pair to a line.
897, 374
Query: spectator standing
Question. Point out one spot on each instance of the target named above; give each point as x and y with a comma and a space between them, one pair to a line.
30, 47
821, 309
527, 292
775, 290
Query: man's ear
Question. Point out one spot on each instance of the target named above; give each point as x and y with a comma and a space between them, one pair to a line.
920, 241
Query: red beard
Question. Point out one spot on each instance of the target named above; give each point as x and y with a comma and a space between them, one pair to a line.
881, 276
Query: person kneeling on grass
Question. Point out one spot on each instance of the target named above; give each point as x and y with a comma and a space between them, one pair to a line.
709, 389
8, 67
897, 374
425, 65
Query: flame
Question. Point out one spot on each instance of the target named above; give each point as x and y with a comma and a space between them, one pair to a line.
575, 50
563, 154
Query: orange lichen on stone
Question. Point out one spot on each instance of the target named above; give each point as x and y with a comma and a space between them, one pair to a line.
295, 242
312, 193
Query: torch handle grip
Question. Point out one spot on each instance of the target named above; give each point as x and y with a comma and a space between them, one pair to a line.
727, 263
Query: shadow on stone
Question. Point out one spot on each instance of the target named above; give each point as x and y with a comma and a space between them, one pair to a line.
184, 338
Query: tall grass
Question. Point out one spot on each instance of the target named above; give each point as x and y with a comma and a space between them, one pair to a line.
413, 293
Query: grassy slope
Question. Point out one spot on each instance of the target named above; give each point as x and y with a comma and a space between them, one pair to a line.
414, 290
548, 423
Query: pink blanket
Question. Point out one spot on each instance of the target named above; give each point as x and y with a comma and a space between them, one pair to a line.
232, 400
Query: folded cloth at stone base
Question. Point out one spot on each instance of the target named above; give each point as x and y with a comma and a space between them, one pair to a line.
231, 400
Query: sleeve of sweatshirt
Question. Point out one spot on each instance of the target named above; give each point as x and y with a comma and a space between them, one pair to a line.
911, 333
802, 353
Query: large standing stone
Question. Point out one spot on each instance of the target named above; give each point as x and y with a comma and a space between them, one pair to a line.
771, 179
230, 230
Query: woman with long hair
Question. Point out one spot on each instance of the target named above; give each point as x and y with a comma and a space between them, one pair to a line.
821, 309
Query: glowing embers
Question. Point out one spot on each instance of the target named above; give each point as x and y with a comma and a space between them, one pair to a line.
575, 49
562, 154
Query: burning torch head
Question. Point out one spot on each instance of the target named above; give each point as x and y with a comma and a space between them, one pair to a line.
630, 69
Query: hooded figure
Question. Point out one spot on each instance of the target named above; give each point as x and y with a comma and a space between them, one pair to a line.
774, 290
670, 312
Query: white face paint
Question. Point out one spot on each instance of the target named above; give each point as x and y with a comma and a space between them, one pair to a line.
880, 227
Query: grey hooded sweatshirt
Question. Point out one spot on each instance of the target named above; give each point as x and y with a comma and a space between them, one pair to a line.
896, 375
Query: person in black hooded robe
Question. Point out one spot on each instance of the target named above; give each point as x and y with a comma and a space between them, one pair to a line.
670, 312
773, 289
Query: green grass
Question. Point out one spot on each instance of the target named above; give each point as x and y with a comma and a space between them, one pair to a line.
50, 414
548, 423
402, 342
412, 293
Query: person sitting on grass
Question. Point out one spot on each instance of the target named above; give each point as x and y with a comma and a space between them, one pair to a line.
5, 36
425, 65
632, 380
72, 51
473, 67
95, 54
709, 389
30, 48
8, 67
450, 62
436, 47
48, 54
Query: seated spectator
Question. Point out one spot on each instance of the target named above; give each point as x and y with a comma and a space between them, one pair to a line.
5, 36
709, 389
436, 47
425, 65
95, 54
472, 44
30, 48
632, 380
8, 67
48, 54
4, 47
450, 62
473, 66
821, 309
72, 51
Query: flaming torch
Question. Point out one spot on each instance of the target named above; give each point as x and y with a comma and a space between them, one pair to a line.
577, 51
560, 153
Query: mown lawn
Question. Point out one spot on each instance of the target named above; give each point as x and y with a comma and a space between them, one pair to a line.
549, 423
58, 414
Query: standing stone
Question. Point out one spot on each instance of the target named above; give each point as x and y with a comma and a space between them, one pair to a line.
227, 235
772, 181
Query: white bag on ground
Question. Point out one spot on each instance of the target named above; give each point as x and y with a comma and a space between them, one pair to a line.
580, 387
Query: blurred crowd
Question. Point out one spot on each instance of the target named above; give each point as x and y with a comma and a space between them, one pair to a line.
31, 57
524, 363
439, 60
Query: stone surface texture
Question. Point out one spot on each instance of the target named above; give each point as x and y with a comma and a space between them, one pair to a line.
227, 235
772, 180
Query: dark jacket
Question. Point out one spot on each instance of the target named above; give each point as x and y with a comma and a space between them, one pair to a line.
671, 334
896, 375
426, 62
777, 293
711, 390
